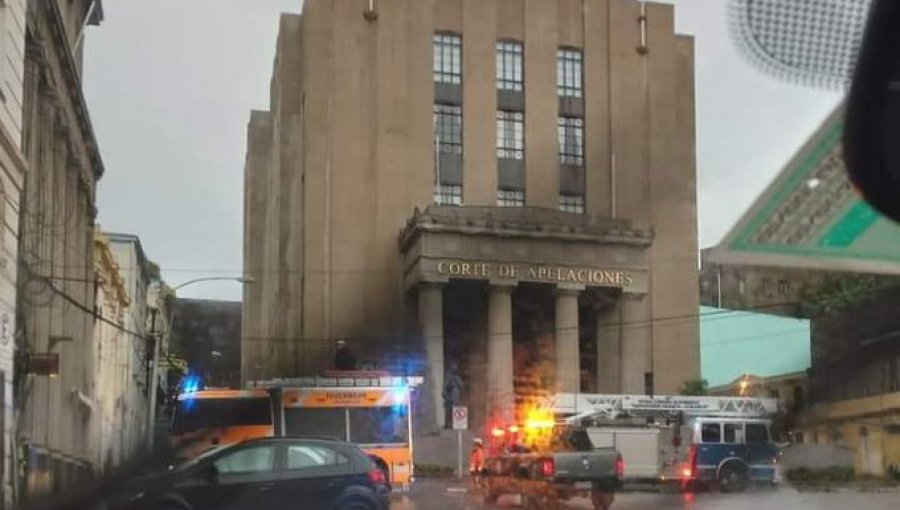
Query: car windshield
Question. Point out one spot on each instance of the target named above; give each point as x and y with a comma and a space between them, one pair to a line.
554, 254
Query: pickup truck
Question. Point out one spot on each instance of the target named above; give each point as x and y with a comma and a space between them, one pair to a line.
571, 468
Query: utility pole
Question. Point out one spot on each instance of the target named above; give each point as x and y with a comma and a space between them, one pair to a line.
153, 369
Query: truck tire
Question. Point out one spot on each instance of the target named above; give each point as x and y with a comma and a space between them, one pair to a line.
733, 477
602, 500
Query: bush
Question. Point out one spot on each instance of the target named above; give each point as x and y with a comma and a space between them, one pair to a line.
839, 474
798, 475
834, 474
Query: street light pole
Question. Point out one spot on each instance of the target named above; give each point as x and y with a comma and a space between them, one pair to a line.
239, 279
156, 338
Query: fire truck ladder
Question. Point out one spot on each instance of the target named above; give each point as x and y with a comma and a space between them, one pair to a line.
342, 380
574, 407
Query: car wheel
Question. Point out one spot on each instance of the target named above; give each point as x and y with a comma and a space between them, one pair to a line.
733, 477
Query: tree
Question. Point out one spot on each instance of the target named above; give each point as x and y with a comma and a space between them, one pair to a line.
694, 388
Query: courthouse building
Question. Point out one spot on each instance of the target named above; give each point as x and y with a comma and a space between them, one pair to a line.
497, 189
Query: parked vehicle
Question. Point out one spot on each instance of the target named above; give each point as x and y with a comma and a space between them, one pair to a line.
544, 479
733, 452
680, 439
279, 473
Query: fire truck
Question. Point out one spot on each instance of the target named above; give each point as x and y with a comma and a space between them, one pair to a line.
725, 441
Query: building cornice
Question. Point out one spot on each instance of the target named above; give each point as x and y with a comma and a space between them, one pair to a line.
45, 25
106, 264
522, 222
14, 153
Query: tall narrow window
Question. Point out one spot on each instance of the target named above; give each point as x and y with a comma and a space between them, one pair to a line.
570, 131
509, 65
571, 203
448, 128
447, 152
568, 72
447, 58
510, 135
447, 194
510, 198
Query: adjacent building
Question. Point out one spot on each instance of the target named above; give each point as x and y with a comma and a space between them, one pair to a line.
12, 174
207, 335
112, 345
481, 186
855, 381
810, 246
133, 318
55, 382
138, 274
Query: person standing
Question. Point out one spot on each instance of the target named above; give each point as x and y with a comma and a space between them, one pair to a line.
476, 461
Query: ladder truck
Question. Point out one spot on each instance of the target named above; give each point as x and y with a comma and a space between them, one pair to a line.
686, 440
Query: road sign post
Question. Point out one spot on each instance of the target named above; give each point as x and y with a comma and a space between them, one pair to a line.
460, 423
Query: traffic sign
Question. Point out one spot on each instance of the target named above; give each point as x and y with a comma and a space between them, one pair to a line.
460, 418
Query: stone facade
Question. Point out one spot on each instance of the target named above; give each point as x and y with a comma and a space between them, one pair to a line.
12, 173
346, 158
138, 274
56, 244
112, 347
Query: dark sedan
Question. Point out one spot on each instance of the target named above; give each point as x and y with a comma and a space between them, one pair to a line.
269, 473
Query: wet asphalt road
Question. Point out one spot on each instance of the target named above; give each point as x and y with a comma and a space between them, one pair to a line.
441, 495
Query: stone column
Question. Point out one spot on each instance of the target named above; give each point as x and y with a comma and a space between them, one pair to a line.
636, 331
568, 361
609, 355
431, 320
501, 397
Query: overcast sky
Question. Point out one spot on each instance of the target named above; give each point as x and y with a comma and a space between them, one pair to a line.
170, 84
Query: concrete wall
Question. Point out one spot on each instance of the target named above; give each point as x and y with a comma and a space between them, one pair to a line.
254, 346
112, 348
366, 155
12, 62
871, 439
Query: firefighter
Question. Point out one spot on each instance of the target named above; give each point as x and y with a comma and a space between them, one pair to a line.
476, 461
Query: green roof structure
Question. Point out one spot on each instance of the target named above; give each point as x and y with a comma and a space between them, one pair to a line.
811, 217
736, 343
